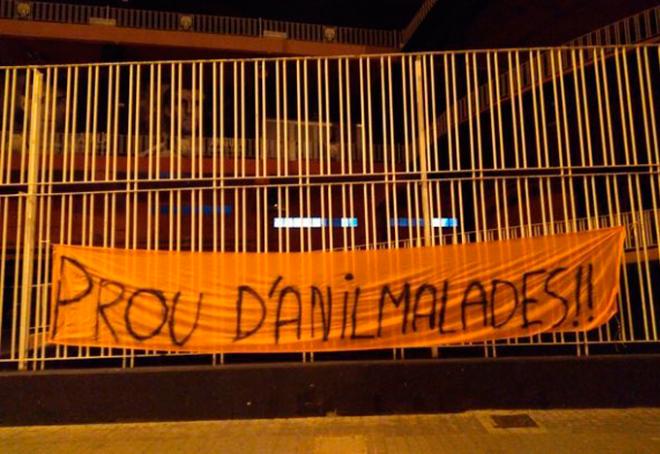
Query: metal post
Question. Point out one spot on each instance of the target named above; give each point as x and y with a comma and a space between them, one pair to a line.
30, 221
421, 149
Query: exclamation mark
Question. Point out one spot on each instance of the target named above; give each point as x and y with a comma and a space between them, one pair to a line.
578, 286
590, 292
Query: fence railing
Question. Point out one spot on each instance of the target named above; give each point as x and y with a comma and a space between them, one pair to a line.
634, 29
205, 155
71, 13
637, 28
204, 146
410, 29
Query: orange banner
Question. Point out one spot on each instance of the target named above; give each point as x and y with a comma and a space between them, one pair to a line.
319, 301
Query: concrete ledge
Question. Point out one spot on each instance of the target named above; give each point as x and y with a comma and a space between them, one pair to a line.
342, 388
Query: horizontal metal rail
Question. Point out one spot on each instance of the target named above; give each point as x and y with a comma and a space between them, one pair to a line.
70, 13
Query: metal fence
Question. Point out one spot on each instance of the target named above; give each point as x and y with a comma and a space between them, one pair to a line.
409, 30
207, 155
71, 13
635, 29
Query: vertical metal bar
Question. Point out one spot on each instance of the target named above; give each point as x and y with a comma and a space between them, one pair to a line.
24, 136
457, 149
37, 326
523, 147
137, 150
514, 129
39, 284
393, 161
286, 157
321, 148
328, 147
244, 209
4, 199
48, 176
502, 162
363, 152
3, 128
627, 313
179, 153
349, 152
257, 157
115, 139
385, 151
3, 253
408, 102
94, 151
108, 151
159, 151
567, 147
222, 155
129, 144
12, 111
192, 154
471, 133
299, 159
493, 135
421, 148
581, 142
307, 157
653, 158
404, 104
370, 123
535, 68
214, 152
202, 150
15, 326
644, 276
74, 124
411, 102
264, 154
30, 219
342, 144
560, 143
150, 158
598, 58
480, 157
392, 153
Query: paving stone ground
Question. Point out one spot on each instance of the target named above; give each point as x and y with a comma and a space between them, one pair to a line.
533, 431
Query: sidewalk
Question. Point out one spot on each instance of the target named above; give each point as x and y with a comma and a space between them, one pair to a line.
534, 431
